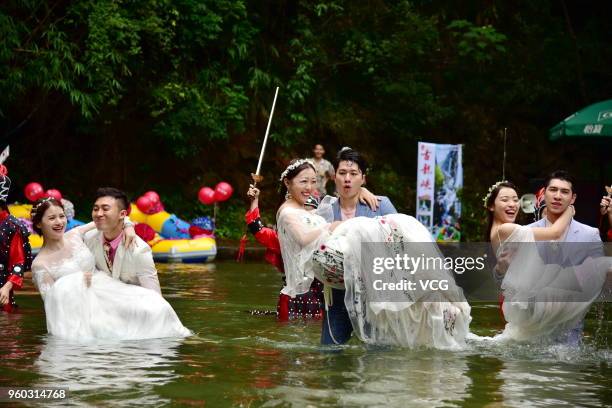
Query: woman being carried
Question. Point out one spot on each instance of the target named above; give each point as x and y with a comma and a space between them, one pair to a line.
332, 252
541, 301
84, 304
307, 305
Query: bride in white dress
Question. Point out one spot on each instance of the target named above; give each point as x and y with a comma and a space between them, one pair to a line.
84, 304
541, 301
331, 251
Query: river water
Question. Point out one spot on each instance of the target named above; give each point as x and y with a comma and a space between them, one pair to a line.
238, 359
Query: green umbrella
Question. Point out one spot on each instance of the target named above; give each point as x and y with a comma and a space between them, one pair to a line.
593, 121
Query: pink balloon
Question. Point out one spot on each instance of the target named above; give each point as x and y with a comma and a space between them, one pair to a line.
206, 195
144, 204
223, 191
153, 196
54, 193
33, 191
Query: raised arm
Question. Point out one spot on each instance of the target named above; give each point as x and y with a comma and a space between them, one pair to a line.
555, 231
81, 230
128, 229
366, 197
253, 195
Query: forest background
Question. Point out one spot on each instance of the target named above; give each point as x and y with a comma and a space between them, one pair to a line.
173, 95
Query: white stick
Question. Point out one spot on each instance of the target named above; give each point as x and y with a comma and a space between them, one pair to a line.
504, 163
263, 147
4, 155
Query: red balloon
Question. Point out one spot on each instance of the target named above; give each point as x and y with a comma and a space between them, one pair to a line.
54, 193
33, 191
223, 191
157, 207
144, 204
3, 170
206, 195
153, 196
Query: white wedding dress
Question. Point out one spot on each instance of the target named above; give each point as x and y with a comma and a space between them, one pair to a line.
543, 301
409, 318
106, 310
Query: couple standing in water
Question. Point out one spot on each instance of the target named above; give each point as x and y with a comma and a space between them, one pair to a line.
548, 287
544, 301
93, 287
326, 244
98, 281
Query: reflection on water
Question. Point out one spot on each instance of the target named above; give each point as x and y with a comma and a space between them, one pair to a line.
385, 378
241, 360
115, 369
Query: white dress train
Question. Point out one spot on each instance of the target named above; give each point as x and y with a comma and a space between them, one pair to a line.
420, 317
106, 310
543, 301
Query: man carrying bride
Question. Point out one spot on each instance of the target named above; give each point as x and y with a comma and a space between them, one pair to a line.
328, 245
578, 242
552, 283
82, 301
351, 169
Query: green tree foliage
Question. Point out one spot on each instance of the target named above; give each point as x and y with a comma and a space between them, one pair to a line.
175, 94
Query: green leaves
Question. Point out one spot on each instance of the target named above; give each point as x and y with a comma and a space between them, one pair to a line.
190, 82
477, 43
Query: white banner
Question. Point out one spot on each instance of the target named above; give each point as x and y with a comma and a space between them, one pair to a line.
439, 188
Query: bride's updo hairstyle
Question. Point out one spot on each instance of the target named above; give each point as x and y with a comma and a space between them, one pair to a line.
38, 210
489, 201
294, 168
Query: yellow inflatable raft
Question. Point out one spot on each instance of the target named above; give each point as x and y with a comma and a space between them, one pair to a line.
185, 250
175, 249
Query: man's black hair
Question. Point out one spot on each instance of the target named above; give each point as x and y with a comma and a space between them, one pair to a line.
561, 175
348, 154
117, 194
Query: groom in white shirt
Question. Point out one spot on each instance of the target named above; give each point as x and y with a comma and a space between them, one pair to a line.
134, 266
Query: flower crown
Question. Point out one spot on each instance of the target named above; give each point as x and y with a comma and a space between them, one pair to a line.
37, 206
294, 166
491, 189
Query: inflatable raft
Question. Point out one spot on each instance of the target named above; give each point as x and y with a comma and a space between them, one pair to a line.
197, 250
173, 242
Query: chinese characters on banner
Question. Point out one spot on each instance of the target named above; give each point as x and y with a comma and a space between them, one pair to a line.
439, 185
425, 183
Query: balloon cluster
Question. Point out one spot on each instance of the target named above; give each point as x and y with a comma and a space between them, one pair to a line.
149, 203
222, 192
33, 191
